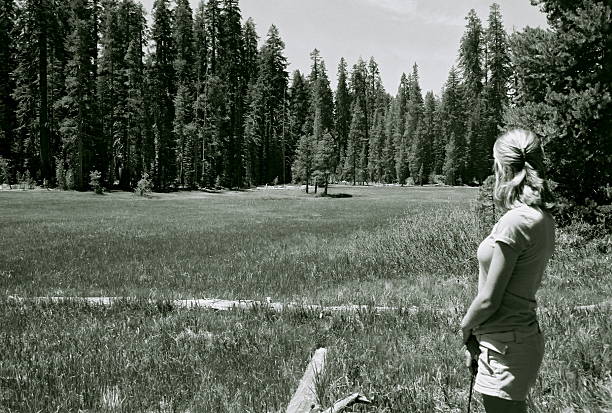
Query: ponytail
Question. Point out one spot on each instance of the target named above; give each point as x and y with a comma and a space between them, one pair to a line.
519, 171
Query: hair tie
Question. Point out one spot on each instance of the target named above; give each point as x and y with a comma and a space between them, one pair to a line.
522, 158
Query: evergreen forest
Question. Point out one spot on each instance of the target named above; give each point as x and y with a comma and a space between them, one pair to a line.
195, 99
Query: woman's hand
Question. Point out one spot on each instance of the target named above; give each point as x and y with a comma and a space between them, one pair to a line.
471, 353
466, 333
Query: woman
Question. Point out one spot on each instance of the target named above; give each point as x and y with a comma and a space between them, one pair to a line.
500, 327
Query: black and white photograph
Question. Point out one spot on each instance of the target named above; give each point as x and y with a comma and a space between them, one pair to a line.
305, 206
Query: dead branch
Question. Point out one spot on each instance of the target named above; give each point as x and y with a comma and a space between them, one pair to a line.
348, 401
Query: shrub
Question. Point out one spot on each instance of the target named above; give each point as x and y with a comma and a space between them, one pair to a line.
594, 219
94, 181
144, 186
25, 181
437, 179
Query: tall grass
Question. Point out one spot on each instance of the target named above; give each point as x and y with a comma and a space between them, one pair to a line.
131, 357
283, 245
383, 247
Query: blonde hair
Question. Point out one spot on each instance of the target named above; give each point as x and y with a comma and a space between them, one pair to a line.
519, 171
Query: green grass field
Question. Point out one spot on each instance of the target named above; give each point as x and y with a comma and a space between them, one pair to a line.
381, 246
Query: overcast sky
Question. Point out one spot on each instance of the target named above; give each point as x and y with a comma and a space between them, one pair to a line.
397, 33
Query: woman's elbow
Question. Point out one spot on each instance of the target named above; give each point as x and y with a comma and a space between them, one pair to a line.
488, 304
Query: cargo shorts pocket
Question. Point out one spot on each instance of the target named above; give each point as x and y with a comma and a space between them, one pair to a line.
492, 355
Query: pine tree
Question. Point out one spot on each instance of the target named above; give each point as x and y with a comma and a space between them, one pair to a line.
471, 55
187, 149
498, 77
402, 97
402, 170
212, 18
413, 131
321, 97
422, 153
298, 112
211, 92
563, 93
376, 95
186, 137
264, 143
452, 119
324, 158
478, 155
452, 161
148, 132
352, 161
134, 149
230, 71
342, 110
392, 140
44, 12
360, 104
439, 140
304, 160
201, 109
112, 94
163, 74
250, 53
24, 150
183, 42
7, 84
250, 56
80, 128
252, 147
31, 148
58, 56
376, 161
471, 52
321, 118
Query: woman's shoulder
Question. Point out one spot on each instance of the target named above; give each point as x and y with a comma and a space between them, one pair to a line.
519, 226
525, 215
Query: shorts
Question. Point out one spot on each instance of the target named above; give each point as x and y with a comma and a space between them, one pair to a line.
508, 363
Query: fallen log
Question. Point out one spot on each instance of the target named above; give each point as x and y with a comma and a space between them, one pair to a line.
221, 305
606, 305
226, 305
304, 399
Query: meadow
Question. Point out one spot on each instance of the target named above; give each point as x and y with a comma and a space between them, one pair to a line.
390, 246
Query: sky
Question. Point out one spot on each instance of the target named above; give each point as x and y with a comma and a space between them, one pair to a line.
397, 33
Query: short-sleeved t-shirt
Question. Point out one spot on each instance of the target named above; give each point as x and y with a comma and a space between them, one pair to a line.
531, 233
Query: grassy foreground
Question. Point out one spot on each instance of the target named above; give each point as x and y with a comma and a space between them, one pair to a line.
392, 246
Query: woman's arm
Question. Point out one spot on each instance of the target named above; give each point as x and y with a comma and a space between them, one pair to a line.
490, 295
482, 277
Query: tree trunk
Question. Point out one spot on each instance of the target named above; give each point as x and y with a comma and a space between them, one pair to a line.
45, 158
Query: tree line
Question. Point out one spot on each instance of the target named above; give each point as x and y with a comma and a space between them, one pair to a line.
194, 100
